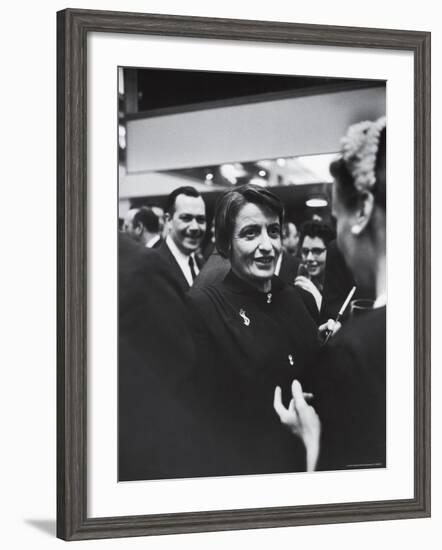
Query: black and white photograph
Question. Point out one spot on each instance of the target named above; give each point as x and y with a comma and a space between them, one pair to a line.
252, 274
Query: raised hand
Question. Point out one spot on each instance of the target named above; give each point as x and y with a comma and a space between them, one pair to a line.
301, 419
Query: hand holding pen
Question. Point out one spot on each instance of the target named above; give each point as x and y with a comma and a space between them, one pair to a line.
329, 331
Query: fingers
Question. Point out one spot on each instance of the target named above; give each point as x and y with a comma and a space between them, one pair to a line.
329, 325
298, 395
303, 282
278, 405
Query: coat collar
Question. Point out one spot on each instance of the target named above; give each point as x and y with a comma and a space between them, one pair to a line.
239, 286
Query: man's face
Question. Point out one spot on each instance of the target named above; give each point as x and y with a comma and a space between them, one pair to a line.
187, 225
291, 239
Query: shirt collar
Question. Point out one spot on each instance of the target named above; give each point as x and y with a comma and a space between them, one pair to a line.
180, 256
153, 241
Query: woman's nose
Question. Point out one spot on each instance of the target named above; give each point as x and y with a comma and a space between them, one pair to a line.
265, 243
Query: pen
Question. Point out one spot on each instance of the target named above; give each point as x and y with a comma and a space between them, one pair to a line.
329, 332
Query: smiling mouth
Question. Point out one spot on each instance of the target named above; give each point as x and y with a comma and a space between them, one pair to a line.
312, 268
265, 261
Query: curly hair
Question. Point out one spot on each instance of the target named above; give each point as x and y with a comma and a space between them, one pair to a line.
345, 171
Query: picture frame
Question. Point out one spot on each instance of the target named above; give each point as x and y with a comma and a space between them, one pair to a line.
73, 28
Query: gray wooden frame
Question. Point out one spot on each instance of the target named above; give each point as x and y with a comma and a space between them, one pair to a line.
73, 27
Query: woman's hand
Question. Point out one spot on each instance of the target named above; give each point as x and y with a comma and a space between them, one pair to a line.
306, 284
301, 419
330, 326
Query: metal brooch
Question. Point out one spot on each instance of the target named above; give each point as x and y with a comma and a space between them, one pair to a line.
246, 320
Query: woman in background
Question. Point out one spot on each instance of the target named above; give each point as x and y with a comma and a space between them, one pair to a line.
314, 240
349, 379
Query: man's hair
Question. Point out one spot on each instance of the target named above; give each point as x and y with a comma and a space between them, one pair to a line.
148, 219
230, 204
313, 228
187, 190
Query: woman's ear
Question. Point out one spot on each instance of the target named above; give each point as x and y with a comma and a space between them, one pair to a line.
363, 213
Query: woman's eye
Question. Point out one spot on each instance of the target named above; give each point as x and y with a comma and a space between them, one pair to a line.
274, 232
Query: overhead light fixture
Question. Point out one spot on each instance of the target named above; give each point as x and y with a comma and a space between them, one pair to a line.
316, 202
209, 176
231, 172
262, 173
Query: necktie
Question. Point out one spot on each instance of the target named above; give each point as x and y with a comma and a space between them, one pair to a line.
192, 268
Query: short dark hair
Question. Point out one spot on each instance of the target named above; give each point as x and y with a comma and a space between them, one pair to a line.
187, 190
313, 228
148, 219
231, 203
347, 191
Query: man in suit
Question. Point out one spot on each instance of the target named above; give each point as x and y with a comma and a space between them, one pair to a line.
151, 372
186, 220
142, 225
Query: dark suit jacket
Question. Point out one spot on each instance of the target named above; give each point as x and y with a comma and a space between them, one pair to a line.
288, 273
151, 367
168, 257
214, 270
164, 252
289, 268
338, 281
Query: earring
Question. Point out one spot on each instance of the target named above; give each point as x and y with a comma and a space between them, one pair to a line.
356, 229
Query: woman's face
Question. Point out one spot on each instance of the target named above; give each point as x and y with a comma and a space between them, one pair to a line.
314, 255
256, 244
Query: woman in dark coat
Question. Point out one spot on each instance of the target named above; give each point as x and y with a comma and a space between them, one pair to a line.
349, 378
251, 332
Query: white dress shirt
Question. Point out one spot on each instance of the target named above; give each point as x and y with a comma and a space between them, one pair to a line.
153, 241
183, 260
